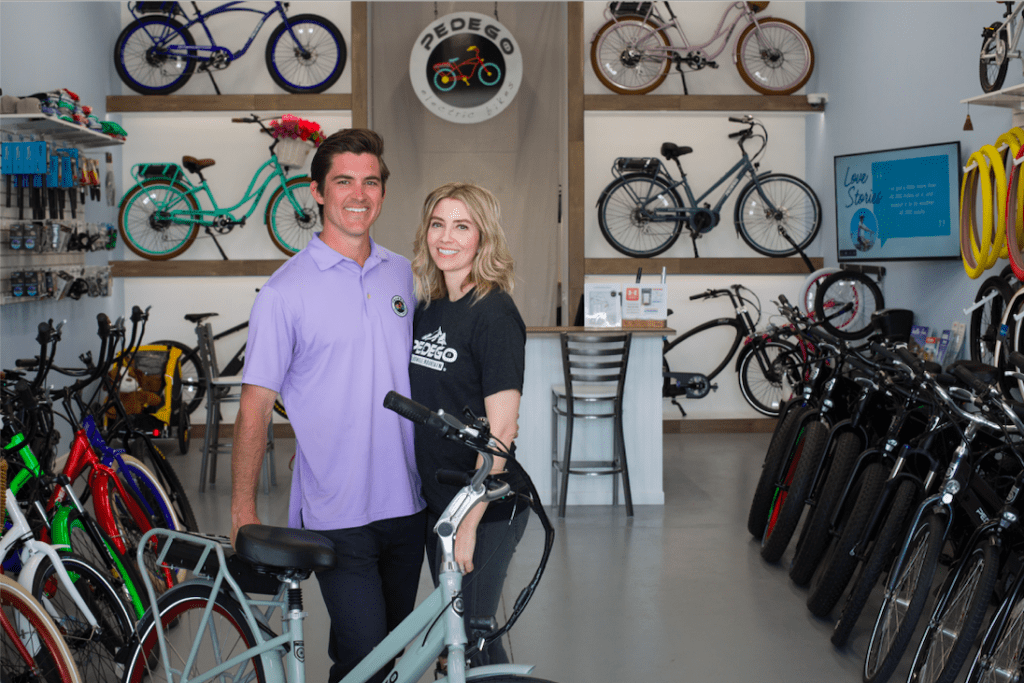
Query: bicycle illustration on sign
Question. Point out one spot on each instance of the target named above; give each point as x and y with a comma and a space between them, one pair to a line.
447, 74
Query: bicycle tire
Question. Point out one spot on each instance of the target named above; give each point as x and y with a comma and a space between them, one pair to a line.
156, 498
169, 481
299, 69
488, 81
1015, 217
1001, 656
781, 68
766, 392
641, 72
810, 288
72, 531
778, 448
289, 231
143, 232
813, 541
629, 232
444, 79
183, 606
810, 451
1011, 340
95, 651
960, 617
879, 559
838, 565
29, 621
131, 534
910, 586
848, 287
992, 71
798, 214
985, 320
138, 62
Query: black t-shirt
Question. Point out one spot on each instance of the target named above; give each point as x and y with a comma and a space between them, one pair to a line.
462, 352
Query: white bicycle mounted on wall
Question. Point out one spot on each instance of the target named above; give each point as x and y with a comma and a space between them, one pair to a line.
999, 44
631, 53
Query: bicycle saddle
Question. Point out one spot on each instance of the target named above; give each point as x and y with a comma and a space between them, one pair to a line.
283, 548
193, 165
198, 317
671, 150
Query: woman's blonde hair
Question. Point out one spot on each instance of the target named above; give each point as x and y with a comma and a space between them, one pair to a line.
492, 264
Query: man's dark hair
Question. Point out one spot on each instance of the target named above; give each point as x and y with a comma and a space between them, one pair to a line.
355, 140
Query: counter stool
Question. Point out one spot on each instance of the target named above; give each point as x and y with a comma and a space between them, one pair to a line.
594, 367
224, 390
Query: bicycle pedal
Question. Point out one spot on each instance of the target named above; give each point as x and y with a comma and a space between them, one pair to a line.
713, 65
714, 387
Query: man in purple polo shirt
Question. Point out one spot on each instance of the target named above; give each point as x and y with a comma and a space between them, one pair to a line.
331, 331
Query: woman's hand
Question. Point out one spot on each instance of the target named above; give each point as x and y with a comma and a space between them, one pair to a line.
465, 546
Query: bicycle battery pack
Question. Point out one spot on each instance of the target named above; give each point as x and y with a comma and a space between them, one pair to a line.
172, 172
168, 8
622, 9
645, 165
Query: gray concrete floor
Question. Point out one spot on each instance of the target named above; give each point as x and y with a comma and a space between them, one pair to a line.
678, 593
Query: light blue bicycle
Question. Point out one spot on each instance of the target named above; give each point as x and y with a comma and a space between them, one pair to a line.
210, 629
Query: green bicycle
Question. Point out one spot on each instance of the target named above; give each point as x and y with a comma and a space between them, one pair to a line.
160, 215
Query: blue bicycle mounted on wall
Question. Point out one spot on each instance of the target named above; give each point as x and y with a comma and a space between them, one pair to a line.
156, 53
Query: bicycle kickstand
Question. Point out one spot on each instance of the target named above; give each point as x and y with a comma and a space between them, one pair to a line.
682, 77
219, 248
217, 90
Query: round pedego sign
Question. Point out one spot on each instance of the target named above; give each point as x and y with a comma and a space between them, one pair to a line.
466, 67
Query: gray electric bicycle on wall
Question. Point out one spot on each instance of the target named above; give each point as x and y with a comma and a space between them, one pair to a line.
641, 213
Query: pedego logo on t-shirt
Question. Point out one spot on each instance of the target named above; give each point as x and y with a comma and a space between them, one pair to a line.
432, 351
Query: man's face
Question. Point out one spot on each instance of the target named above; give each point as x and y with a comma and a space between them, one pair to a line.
352, 194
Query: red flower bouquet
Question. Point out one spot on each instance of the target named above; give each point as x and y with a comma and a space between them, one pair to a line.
291, 126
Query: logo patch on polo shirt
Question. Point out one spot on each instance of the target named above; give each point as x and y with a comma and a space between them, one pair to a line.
398, 306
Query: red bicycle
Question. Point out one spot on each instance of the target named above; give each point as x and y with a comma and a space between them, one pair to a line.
447, 74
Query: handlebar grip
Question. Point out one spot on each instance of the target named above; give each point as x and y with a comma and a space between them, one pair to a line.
407, 408
970, 379
783, 300
1017, 358
825, 337
454, 477
698, 296
738, 134
45, 332
138, 314
104, 325
239, 120
736, 120
909, 358
26, 363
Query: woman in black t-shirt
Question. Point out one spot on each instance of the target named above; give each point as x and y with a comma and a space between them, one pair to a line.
469, 346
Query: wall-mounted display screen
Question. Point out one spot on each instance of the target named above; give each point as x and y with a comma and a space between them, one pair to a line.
898, 204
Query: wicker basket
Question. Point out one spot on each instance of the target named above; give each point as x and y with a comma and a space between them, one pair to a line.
292, 151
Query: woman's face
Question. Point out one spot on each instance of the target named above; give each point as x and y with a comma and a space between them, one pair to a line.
452, 238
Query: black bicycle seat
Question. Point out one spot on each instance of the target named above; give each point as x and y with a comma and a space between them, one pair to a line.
671, 150
198, 317
284, 548
193, 165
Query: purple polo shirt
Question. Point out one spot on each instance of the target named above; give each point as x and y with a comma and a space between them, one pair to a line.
333, 338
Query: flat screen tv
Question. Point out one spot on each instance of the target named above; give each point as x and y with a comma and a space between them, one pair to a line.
898, 204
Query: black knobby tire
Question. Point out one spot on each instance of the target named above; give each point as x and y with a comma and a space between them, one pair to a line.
838, 566
317, 65
895, 624
619, 215
183, 606
938, 660
766, 391
147, 230
778, 449
991, 73
985, 319
797, 212
881, 555
140, 66
95, 651
842, 288
146, 451
810, 451
814, 538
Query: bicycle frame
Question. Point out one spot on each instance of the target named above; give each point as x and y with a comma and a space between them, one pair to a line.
743, 325
1014, 27
207, 53
740, 170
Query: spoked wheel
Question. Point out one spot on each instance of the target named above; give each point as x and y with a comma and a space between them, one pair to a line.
844, 303
994, 59
157, 219
985, 320
627, 210
775, 57
291, 228
630, 55
308, 58
769, 374
151, 57
784, 224
1002, 660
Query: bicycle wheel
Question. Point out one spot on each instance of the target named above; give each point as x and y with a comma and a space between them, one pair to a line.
813, 541
625, 214
765, 388
193, 381
810, 288
444, 79
778, 449
994, 59
311, 65
291, 230
489, 73
131, 534
955, 625
844, 304
148, 55
783, 520
156, 499
168, 479
985, 320
796, 213
86, 539
226, 635
146, 224
31, 647
878, 561
905, 597
774, 57
1003, 659
838, 565
95, 651
630, 55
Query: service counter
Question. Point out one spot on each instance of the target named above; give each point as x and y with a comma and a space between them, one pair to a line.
592, 439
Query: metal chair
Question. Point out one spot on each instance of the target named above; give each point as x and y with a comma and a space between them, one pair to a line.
223, 390
594, 368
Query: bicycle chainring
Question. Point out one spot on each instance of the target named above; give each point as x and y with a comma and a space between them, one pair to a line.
703, 221
692, 384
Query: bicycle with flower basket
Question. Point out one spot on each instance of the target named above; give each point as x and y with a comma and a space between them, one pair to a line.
160, 216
